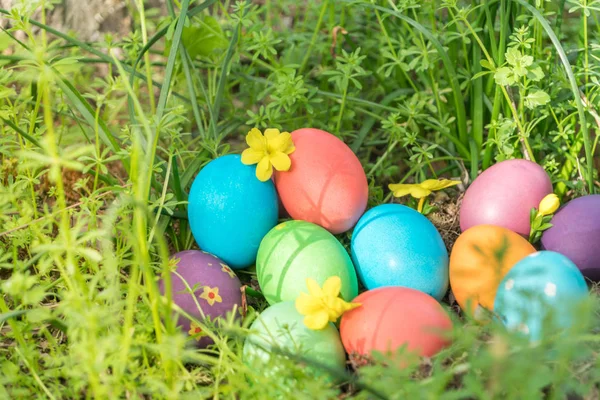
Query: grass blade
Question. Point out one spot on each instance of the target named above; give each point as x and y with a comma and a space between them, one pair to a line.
21, 132
164, 91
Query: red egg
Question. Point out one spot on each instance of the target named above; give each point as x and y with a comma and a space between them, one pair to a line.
394, 316
504, 194
326, 184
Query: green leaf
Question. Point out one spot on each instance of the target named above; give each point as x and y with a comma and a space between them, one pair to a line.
535, 73
480, 74
518, 61
204, 39
504, 76
486, 64
536, 98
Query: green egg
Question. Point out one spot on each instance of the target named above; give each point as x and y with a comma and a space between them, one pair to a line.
296, 250
281, 326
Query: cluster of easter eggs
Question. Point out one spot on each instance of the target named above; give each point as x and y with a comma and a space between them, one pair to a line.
396, 253
494, 268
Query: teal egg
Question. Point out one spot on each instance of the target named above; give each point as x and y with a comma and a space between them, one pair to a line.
281, 327
230, 210
394, 245
540, 294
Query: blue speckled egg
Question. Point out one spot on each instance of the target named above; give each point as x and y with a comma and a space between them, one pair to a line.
540, 294
230, 210
394, 245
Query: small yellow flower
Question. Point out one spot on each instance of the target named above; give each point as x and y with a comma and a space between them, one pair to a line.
211, 295
196, 331
548, 205
269, 151
228, 270
421, 190
322, 305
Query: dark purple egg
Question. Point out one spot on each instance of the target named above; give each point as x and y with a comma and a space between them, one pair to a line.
215, 286
575, 233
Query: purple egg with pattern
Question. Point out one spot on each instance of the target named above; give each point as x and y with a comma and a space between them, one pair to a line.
216, 289
575, 233
504, 194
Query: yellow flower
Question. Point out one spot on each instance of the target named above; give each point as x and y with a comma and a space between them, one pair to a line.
228, 270
196, 331
211, 295
421, 190
548, 205
322, 305
269, 151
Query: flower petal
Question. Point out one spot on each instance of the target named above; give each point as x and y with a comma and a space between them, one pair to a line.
256, 140
264, 169
281, 161
252, 156
332, 286
316, 321
415, 190
281, 142
306, 304
438, 184
291, 148
271, 133
313, 287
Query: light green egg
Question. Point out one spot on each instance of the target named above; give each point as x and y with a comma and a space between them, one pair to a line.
281, 326
296, 250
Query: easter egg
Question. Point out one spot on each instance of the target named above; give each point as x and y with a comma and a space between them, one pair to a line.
392, 317
202, 280
504, 194
296, 250
230, 210
480, 258
326, 184
281, 327
394, 245
575, 232
540, 294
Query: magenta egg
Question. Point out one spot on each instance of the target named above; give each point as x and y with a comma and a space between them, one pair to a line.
575, 233
504, 194
203, 286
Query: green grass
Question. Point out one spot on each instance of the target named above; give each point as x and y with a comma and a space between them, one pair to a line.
99, 144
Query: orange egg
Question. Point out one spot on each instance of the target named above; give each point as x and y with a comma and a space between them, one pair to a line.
326, 184
480, 258
392, 317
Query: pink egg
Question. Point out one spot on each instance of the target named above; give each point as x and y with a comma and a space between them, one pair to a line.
326, 184
504, 194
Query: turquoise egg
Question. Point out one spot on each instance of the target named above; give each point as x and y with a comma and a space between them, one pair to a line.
394, 245
230, 210
540, 294
280, 330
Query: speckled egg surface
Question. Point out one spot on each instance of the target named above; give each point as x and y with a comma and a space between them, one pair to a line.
394, 245
540, 294
296, 250
504, 194
326, 184
480, 258
575, 232
217, 290
230, 210
282, 326
392, 317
